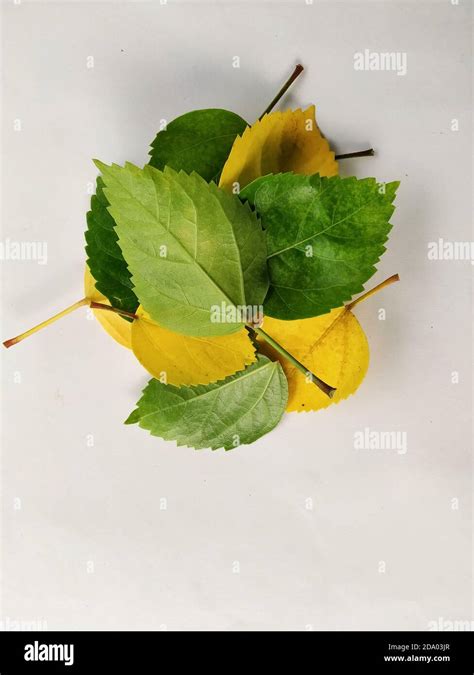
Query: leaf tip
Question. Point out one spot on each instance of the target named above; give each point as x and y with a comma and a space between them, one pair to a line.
133, 417
100, 165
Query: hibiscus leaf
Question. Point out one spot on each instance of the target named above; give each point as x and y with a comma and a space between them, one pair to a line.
279, 142
183, 359
334, 343
198, 141
105, 259
232, 412
190, 247
324, 237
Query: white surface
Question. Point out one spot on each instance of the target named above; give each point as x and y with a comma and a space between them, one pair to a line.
299, 568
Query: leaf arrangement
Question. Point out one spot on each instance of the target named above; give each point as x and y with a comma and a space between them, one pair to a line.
225, 265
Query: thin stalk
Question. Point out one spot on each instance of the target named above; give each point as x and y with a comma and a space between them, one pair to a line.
43, 324
99, 305
375, 289
362, 153
297, 71
325, 388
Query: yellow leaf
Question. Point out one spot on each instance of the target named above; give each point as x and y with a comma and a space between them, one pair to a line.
333, 346
280, 141
186, 360
114, 324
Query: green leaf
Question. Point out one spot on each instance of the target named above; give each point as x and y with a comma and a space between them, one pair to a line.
232, 412
324, 237
190, 247
198, 141
105, 259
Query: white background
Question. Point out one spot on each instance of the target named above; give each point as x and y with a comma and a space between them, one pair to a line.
298, 568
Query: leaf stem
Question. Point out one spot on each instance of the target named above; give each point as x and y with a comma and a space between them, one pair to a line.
375, 289
122, 312
362, 153
43, 324
325, 388
297, 71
